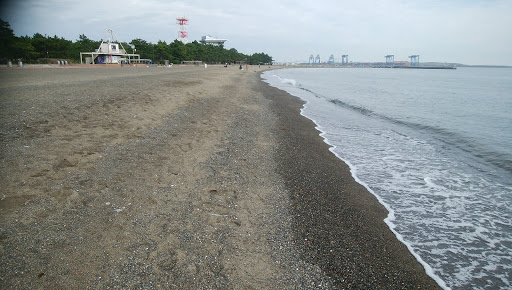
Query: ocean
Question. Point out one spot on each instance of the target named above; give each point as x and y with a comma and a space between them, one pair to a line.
435, 148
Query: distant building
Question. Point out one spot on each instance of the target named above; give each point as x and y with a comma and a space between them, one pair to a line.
210, 40
109, 51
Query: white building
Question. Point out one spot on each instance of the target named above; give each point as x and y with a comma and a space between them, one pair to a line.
109, 51
210, 40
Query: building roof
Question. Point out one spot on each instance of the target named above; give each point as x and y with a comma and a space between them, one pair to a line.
207, 39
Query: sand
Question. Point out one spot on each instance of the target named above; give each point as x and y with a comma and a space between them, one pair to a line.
180, 177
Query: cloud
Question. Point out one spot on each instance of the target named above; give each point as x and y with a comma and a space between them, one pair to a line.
452, 30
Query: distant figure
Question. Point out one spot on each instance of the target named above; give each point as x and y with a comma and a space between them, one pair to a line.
241, 67
247, 67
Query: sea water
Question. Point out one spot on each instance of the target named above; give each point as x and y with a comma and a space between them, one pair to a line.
435, 148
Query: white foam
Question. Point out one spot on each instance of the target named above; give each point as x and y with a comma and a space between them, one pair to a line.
430, 183
389, 220
353, 170
286, 81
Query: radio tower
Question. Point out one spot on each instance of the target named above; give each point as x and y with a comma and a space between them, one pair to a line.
182, 33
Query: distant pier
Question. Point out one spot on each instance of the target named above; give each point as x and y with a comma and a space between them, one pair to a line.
427, 67
389, 63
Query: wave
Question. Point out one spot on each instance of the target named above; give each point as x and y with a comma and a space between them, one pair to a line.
464, 176
390, 219
480, 153
477, 151
286, 81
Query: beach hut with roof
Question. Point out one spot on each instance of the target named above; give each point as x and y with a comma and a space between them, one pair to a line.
110, 51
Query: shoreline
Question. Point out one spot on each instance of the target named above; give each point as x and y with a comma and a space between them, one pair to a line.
184, 178
389, 220
307, 164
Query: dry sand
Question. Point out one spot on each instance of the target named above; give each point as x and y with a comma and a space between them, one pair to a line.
180, 177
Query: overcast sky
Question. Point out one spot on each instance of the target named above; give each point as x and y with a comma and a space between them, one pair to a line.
463, 31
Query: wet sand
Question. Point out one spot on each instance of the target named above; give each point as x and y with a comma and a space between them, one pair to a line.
180, 177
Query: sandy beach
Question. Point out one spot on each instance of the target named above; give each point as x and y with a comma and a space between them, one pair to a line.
181, 178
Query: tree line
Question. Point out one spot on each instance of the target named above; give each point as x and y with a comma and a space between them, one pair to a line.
43, 49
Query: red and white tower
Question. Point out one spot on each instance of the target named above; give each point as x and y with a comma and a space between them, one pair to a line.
182, 32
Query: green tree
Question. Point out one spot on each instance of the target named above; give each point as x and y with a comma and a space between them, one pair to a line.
82, 44
161, 51
178, 51
7, 41
52, 47
42, 46
25, 49
143, 48
127, 47
234, 56
260, 58
59, 46
195, 50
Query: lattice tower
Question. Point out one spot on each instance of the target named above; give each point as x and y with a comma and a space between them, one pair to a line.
182, 32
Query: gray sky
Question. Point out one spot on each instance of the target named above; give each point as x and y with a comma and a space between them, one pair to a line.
464, 31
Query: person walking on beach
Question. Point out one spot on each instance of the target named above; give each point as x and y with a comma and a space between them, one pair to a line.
241, 67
